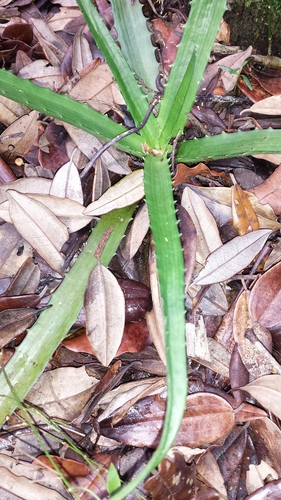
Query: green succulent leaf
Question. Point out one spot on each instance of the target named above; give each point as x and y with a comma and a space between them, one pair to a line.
188, 68
135, 41
230, 145
62, 107
127, 83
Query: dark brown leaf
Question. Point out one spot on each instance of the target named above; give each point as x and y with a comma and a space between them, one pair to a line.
175, 480
207, 418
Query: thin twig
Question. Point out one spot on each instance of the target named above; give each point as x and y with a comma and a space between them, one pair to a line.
121, 136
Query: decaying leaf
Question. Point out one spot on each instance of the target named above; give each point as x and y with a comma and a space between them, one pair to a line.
269, 191
105, 313
14, 250
126, 192
131, 243
232, 257
62, 392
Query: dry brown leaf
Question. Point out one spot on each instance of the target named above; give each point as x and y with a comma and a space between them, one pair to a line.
64, 16
114, 160
10, 111
26, 185
67, 183
257, 474
82, 54
53, 46
41, 73
209, 470
155, 318
196, 340
208, 238
269, 191
13, 322
175, 480
256, 358
208, 417
40, 227
27, 481
270, 106
98, 88
232, 257
14, 250
105, 313
62, 392
234, 61
264, 302
126, 192
267, 391
20, 135
134, 238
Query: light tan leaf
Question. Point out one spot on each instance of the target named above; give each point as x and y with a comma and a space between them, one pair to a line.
98, 89
269, 106
114, 160
235, 62
101, 180
70, 212
133, 240
213, 302
26, 185
273, 158
232, 257
40, 72
208, 238
40, 227
209, 470
10, 111
82, 54
21, 134
62, 392
105, 313
14, 250
126, 192
67, 183
267, 391
61, 18
269, 191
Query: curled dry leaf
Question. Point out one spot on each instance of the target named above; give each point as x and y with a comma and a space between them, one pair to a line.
264, 302
40, 227
232, 257
267, 391
126, 192
105, 313
208, 417
14, 322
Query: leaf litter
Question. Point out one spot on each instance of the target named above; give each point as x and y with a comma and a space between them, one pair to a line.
47, 211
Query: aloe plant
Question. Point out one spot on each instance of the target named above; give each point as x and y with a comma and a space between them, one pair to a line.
135, 70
